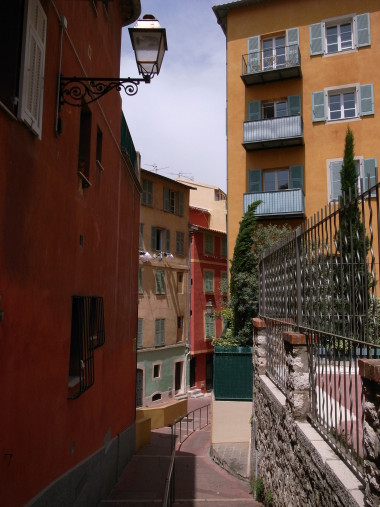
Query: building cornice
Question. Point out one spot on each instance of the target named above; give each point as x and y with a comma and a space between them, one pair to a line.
221, 11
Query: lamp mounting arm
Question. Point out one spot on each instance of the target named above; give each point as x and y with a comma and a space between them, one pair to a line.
77, 91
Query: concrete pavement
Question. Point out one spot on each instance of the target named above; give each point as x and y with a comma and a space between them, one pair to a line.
198, 479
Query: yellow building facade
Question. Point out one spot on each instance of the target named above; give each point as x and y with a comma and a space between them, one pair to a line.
299, 72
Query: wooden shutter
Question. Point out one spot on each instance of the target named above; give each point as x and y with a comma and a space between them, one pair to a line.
318, 106
209, 281
253, 54
33, 67
254, 180
160, 281
335, 184
369, 169
162, 331
139, 333
167, 240
366, 99
292, 43
157, 333
154, 238
316, 38
294, 105
296, 176
166, 199
140, 281
141, 236
209, 326
181, 206
254, 110
363, 33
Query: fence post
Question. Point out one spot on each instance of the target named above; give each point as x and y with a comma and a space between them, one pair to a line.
297, 379
259, 346
369, 370
298, 279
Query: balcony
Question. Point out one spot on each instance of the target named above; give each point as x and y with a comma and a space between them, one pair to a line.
273, 133
278, 204
259, 67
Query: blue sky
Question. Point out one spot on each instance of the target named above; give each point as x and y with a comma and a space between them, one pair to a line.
178, 120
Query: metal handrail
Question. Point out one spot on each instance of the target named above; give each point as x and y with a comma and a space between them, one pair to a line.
168, 499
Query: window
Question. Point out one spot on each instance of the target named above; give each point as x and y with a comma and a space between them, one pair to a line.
140, 333
224, 247
224, 283
270, 180
160, 281
274, 52
180, 282
159, 336
209, 281
84, 146
275, 109
340, 34
180, 243
99, 147
209, 326
173, 201
141, 236
87, 333
157, 239
156, 371
209, 244
277, 179
344, 103
22, 49
365, 168
147, 192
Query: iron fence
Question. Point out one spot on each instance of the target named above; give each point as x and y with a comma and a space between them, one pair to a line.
271, 129
260, 61
181, 429
322, 281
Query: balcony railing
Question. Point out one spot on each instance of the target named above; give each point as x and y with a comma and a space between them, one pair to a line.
259, 67
273, 132
290, 203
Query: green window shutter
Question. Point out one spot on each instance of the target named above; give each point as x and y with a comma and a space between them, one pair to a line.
181, 206
209, 244
292, 43
366, 99
253, 44
160, 281
224, 247
167, 240
224, 283
140, 281
335, 184
254, 180
166, 199
316, 39
294, 105
153, 238
254, 110
209, 326
139, 333
318, 106
369, 170
162, 331
157, 333
141, 236
296, 176
209, 281
363, 33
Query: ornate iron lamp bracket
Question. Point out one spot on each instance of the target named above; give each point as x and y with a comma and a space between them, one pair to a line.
77, 91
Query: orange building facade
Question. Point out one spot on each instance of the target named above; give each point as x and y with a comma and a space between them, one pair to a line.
298, 73
70, 198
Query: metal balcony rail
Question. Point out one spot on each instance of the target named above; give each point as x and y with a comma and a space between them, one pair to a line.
279, 202
322, 281
280, 58
272, 129
182, 428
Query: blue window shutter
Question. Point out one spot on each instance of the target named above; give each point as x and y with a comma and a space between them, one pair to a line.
335, 184
366, 100
316, 39
253, 54
369, 169
294, 105
296, 176
292, 43
318, 106
254, 180
254, 110
363, 33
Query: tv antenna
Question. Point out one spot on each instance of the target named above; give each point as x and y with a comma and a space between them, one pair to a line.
156, 169
179, 174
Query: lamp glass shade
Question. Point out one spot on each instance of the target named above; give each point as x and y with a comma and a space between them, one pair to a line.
209, 308
149, 44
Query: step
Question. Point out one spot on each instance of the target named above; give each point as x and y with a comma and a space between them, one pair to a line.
195, 393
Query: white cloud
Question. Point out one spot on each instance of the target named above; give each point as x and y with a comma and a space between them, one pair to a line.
178, 121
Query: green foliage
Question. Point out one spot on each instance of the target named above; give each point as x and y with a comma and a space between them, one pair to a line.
258, 490
251, 241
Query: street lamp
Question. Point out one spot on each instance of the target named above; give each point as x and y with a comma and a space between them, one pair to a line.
209, 307
149, 44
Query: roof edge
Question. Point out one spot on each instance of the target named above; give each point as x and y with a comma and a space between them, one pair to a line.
221, 11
